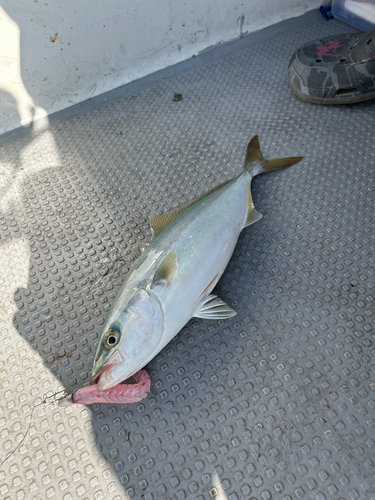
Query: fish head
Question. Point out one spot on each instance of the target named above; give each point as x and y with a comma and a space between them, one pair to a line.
130, 337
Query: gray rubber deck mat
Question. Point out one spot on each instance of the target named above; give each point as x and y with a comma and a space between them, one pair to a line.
277, 403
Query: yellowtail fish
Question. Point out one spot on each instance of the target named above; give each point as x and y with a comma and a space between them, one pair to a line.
172, 280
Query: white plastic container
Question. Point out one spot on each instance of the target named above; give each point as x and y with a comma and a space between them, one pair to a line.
358, 13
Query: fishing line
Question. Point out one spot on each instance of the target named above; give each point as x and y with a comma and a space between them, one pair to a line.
47, 400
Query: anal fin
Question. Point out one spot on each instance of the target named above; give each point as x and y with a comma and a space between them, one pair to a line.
252, 214
214, 308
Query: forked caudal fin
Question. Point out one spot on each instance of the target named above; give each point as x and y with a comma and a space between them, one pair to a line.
255, 164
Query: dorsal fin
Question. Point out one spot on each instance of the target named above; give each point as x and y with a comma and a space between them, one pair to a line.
159, 222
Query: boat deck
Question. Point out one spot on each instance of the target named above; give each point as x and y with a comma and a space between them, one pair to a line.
276, 403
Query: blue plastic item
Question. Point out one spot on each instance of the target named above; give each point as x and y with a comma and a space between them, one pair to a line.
326, 12
357, 13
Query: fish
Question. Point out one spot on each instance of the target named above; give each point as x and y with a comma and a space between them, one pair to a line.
172, 279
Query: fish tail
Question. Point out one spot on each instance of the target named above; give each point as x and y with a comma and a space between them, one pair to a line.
255, 164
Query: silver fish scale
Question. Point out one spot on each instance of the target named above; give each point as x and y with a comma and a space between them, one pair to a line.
276, 403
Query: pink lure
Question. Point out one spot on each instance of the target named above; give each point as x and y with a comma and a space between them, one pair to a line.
118, 394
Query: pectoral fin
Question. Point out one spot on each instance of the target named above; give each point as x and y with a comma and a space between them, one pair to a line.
214, 308
166, 271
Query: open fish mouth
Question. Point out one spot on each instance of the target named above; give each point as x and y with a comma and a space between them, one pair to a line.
104, 379
96, 378
96, 375
102, 372
105, 370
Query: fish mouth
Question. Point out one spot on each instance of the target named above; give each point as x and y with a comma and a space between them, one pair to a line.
95, 378
102, 377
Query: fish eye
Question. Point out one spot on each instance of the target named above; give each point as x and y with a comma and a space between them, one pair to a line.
112, 338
